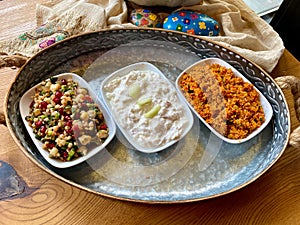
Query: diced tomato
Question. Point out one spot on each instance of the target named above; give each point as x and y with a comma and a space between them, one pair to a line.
70, 131
69, 123
67, 118
38, 124
43, 105
43, 129
56, 100
58, 94
65, 155
76, 130
51, 145
84, 106
61, 111
64, 82
31, 104
87, 99
103, 127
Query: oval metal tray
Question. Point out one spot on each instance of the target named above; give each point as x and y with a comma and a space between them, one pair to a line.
172, 175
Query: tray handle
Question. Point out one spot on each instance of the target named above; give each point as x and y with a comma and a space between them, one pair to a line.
12, 60
290, 86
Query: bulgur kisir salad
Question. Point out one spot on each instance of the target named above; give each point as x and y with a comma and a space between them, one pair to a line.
65, 119
226, 102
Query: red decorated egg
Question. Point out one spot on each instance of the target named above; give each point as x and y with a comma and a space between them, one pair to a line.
145, 18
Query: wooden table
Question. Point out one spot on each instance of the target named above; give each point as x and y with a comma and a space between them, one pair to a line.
43, 199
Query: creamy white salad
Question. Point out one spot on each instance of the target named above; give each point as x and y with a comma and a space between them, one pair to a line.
147, 107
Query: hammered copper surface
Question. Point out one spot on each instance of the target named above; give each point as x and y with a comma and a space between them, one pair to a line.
171, 175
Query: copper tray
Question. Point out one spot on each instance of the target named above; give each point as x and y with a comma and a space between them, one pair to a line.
172, 175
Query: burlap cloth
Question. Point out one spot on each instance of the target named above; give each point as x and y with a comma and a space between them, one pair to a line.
241, 30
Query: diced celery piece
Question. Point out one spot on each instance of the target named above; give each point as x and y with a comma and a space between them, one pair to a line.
144, 101
70, 154
153, 112
134, 90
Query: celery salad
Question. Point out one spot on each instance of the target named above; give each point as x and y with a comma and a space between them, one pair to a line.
147, 107
65, 119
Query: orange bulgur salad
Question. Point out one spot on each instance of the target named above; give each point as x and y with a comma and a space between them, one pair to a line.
226, 102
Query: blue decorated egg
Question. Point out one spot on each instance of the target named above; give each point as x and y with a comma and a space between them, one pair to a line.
192, 22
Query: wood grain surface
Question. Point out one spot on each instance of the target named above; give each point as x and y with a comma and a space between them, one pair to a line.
39, 198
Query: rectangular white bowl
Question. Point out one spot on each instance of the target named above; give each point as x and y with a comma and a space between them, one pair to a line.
144, 66
264, 102
24, 110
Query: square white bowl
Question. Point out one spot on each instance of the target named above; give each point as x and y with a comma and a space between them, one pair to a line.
264, 102
145, 66
24, 110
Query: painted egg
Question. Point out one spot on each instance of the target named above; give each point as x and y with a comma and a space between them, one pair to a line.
46, 43
145, 18
192, 22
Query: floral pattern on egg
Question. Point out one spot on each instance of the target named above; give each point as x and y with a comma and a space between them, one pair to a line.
192, 22
145, 18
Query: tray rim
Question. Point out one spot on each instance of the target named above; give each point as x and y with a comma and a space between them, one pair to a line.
115, 30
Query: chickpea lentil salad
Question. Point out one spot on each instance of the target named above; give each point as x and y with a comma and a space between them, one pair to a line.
65, 118
226, 102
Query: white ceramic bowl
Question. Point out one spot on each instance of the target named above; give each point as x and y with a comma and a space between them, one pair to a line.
264, 102
24, 110
144, 66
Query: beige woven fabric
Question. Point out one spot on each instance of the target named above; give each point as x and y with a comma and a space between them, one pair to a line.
65, 19
241, 29
93, 14
169, 3
244, 32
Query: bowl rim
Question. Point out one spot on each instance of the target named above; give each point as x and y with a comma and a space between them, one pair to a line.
145, 66
265, 103
26, 97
